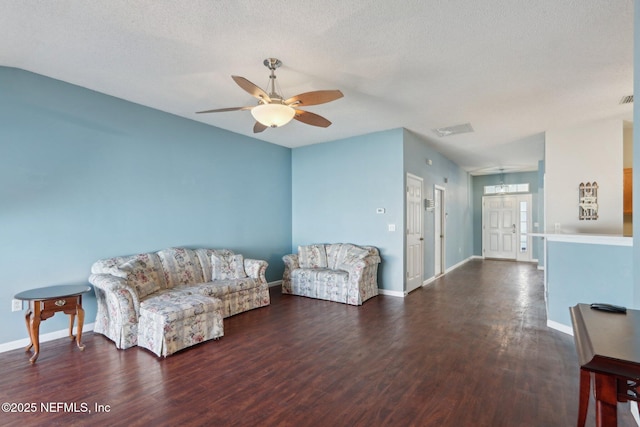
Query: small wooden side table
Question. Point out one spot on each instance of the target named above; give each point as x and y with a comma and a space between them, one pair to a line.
608, 347
45, 302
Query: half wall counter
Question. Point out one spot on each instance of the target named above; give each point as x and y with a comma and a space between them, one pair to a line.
582, 268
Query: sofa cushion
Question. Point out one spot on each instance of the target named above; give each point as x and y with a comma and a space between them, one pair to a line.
140, 275
181, 267
204, 256
111, 266
225, 267
236, 285
312, 256
172, 305
350, 254
332, 255
217, 289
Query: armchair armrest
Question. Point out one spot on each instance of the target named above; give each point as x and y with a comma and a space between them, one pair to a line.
256, 269
355, 270
363, 283
291, 261
290, 264
356, 267
118, 293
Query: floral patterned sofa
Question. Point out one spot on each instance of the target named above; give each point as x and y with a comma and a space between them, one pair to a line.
340, 272
169, 300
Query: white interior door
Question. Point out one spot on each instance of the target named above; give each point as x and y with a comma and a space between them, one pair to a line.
438, 232
415, 238
500, 222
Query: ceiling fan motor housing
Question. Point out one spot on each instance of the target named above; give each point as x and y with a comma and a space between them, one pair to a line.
272, 63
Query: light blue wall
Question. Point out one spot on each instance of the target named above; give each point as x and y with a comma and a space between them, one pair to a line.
586, 273
85, 176
337, 187
459, 229
479, 182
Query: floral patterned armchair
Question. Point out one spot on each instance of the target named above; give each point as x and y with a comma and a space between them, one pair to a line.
340, 272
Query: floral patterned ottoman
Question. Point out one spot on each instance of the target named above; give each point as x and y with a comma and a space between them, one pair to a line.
172, 321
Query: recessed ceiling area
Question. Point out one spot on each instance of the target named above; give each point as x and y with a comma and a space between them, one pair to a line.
512, 69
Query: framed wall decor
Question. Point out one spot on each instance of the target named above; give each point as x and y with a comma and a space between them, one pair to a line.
588, 201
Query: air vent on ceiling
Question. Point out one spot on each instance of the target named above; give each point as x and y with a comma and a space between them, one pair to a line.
453, 130
626, 100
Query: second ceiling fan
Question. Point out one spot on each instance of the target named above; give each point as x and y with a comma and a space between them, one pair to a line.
273, 110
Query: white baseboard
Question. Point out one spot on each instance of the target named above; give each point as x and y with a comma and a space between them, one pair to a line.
560, 327
276, 283
448, 270
429, 281
399, 294
23, 343
460, 264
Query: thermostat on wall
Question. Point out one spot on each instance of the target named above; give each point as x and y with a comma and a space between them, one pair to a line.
379, 210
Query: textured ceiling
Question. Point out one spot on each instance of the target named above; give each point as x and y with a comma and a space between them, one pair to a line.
511, 68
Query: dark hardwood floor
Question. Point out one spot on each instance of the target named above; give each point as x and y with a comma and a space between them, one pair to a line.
471, 349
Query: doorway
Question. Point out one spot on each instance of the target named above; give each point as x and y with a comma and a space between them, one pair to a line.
415, 238
439, 230
506, 226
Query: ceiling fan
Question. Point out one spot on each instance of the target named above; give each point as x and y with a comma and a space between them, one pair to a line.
273, 110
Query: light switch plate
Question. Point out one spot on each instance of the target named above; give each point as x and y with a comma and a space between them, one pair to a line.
392, 227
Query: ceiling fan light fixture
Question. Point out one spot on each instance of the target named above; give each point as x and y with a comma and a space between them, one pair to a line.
273, 115
275, 111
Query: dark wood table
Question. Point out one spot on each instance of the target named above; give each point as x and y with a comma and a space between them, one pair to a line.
45, 302
608, 347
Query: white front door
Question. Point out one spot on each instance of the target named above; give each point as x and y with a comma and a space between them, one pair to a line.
415, 239
438, 232
499, 223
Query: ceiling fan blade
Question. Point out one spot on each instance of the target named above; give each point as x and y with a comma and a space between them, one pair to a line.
311, 119
222, 110
258, 127
251, 88
314, 98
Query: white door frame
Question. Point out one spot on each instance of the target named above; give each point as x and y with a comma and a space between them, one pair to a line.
414, 236
528, 255
518, 256
439, 228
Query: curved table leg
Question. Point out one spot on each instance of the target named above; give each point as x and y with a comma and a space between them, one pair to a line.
72, 319
80, 311
27, 321
34, 332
